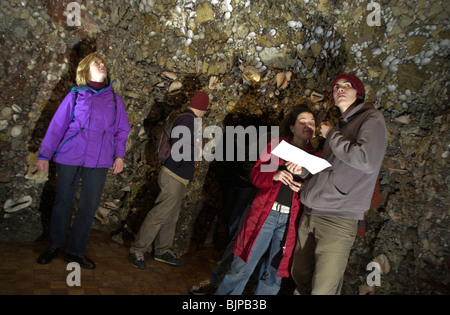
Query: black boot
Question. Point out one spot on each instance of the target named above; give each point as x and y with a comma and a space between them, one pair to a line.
81, 259
47, 256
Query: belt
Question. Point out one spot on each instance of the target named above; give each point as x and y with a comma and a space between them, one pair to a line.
280, 208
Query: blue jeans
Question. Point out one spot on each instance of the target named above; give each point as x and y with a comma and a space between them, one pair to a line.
93, 181
271, 234
227, 257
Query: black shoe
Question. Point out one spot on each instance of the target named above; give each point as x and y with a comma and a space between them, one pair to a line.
81, 259
204, 288
47, 256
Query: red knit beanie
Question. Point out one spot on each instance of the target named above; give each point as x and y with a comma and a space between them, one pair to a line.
200, 101
354, 80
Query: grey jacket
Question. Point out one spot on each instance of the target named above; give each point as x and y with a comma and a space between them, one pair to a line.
355, 148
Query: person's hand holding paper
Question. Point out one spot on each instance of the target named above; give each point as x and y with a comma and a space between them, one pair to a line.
291, 153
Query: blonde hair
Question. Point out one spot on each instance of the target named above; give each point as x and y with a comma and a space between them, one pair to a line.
84, 68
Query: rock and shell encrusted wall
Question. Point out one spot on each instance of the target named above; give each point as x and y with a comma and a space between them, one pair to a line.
256, 59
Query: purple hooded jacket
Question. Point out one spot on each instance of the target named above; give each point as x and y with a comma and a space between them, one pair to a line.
91, 134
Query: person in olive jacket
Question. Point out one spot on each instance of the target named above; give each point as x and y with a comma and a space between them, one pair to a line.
86, 136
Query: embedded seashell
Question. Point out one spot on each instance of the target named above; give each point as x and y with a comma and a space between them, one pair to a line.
213, 80
365, 289
385, 266
102, 215
169, 75
402, 119
288, 75
281, 77
16, 108
316, 97
267, 76
284, 85
17, 131
251, 74
3, 124
118, 238
36, 175
287, 78
175, 86
103, 211
13, 206
111, 205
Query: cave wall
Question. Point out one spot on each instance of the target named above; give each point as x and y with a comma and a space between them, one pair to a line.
236, 50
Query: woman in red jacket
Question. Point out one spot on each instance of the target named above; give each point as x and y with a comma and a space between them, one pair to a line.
273, 217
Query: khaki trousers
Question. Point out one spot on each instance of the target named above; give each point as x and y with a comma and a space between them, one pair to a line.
160, 223
321, 253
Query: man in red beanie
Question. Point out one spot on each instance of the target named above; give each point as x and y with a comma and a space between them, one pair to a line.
335, 199
158, 229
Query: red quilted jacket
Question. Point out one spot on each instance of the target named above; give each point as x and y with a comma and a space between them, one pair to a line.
261, 207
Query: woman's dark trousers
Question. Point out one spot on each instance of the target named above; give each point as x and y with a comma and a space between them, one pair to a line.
92, 183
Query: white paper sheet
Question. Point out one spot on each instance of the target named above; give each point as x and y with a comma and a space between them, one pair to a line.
291, 153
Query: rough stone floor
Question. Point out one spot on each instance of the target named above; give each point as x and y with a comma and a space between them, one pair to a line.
21, 275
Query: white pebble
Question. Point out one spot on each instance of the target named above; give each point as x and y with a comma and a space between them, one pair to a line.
16, 131
445, 43
319, 30
292, 23
393, 68
425, 61
376, 51
429, 54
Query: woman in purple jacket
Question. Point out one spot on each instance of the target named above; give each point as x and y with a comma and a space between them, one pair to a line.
86, 136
